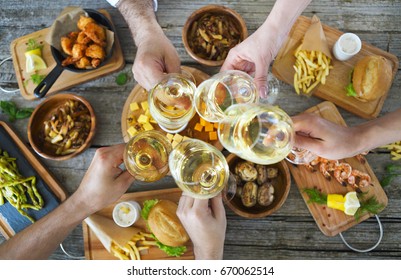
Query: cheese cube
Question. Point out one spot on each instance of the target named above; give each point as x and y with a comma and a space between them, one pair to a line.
170, 136
202, 122
186, 138
132, 131
147, 126
143, 119
177, 138
213, 135
144, 105
216, 125
174, 143
198, 127
209, 127
147, 113
134, 106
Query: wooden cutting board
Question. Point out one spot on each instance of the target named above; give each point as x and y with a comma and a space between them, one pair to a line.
94, 249
331, 221
11, 221
139, 94
67, 78
339, 77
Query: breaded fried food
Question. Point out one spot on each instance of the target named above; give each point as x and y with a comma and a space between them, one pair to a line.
96, 33
83, 39
83, 21
78, 51
95, 51
84, 63
66, 45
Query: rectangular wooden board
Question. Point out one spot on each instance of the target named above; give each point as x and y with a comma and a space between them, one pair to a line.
332, 221
11, 221
94, 250
67, 78
339, 77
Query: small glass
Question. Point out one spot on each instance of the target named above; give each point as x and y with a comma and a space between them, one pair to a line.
259, 133
171, 101
146, 156
214, 95
201, 170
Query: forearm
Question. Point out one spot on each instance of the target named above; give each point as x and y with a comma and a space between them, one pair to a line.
378, 132
282, 17
140, 17
39, 240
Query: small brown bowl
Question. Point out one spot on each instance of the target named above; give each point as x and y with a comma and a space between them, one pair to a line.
281, 184
42, 113
237, 20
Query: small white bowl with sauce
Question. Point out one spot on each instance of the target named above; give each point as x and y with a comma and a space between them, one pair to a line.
126, 213
347, 46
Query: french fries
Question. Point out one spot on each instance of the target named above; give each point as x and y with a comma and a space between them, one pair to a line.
395, 149
311, 68
131, 251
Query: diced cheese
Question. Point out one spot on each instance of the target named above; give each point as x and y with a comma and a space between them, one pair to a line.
144, 105
198, 127
202, 122
134, 106
143, 119
209, 127
152, 120
186, 138
132, 131
147, 126
174, 143
147, 113
216, 125
169, 136
177, 138
213, 135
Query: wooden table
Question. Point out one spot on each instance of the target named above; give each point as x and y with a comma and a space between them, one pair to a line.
290, 233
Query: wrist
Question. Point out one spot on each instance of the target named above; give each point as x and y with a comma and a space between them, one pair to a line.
208, 254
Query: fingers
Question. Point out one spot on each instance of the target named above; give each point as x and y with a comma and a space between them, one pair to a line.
216, 203
201, 203
261, 79
186, 202
125, 179
111, 156
311, 144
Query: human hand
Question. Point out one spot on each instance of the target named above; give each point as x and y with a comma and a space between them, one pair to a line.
155, 56
254, 56
205, 225
104, 182
325, 138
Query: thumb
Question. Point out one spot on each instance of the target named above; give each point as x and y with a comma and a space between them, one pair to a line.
261, 79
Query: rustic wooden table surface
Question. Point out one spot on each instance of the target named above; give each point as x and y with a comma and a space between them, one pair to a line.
290, 233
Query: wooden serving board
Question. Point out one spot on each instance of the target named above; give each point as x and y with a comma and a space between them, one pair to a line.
331, 221
11, 221
339, 77
139, 94
67, 78
94, 250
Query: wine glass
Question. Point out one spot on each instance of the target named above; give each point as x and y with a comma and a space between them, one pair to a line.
146, 155
259, 133
214, 95
171, 101
201, 170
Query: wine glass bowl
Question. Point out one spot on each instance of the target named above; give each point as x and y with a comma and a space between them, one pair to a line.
214, 95
146, 156
171, 102
258, 133
199, 168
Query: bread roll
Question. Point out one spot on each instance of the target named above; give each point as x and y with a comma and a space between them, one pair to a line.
165, 225
372, 77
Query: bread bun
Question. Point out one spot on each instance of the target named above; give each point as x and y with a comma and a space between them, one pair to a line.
165, 225
372, 77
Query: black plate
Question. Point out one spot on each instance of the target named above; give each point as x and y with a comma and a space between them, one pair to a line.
8, 213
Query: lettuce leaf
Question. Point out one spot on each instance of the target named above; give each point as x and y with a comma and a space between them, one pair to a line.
147, 205
172, 251
350, 90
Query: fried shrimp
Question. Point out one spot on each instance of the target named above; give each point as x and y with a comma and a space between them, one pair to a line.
342, 171
78, 51
96, 33
83, 39
83, 63
83, 21
95, 51
66, 45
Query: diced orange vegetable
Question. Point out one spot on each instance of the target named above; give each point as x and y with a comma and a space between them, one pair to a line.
209, 127
202, 122
216, 125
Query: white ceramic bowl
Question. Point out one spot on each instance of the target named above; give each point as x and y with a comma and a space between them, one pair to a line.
126, 213
347, 46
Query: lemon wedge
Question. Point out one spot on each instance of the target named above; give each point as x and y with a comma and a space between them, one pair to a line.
34, 62
351, 203
336, 201
37, 51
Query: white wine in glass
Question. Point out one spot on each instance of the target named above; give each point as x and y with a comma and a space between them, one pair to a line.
258, 133
171, 102
146, 156
199, 168
214, 95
